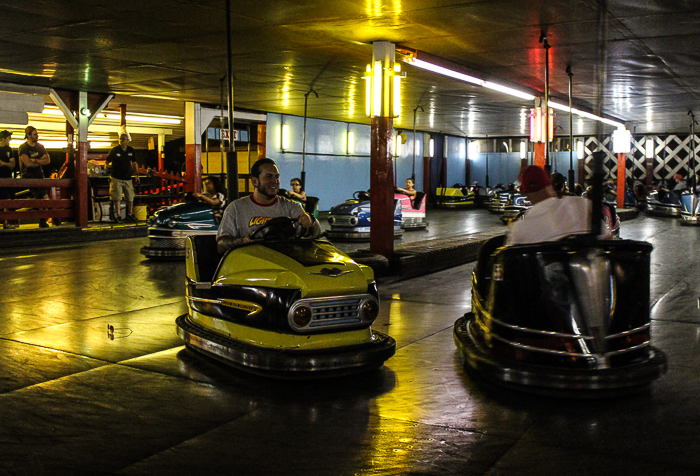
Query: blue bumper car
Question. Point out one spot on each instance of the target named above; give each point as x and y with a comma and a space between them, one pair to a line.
169, 227
690, 209
350, 221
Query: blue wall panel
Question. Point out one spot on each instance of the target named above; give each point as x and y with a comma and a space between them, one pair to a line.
560, 163
332, 175
404, 162
456, 166
503, 168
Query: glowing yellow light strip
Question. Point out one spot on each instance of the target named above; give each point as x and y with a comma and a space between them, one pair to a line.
397, 92
377, 89
368, 90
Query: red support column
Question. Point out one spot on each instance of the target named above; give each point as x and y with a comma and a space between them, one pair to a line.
193, 167
539, 154
381, 182
621, 172
262, 141
80, 193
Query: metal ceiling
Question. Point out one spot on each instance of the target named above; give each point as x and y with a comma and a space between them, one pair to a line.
177, 49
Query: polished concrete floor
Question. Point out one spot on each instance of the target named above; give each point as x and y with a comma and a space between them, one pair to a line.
75, 401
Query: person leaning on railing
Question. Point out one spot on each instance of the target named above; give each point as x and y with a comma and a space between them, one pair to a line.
33, 156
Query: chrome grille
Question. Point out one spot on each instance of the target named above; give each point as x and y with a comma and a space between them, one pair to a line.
335, 311
168, 243
342, 220
340, 311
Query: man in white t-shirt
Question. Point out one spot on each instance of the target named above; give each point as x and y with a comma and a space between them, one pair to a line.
550, 218
244, 216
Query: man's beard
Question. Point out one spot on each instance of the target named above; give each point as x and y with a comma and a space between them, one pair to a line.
265, 191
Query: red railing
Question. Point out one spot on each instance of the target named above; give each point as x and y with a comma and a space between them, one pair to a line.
32, 209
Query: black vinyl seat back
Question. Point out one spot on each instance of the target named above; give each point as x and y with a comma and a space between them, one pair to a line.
310, 205
206, 257
417, 200
483, 264
536, 287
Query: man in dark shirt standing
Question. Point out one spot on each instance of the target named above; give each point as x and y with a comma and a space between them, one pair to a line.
123, 163
7, 164
32, 156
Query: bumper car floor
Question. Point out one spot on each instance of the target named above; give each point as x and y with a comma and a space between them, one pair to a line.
95, 380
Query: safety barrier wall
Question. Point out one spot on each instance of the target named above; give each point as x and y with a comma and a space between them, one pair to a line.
334, 173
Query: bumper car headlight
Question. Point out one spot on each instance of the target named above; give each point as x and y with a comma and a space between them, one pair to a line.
370, 310
302, 316
171, 223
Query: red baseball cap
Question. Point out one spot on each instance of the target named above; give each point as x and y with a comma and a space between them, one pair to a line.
533, 179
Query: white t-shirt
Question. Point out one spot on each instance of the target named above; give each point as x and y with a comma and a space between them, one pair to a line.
244, 216
553, 219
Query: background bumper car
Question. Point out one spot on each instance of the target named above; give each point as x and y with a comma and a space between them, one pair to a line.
412, 211
516, 205
690, 209
169, 227
350, 221
499, 201
568, 318
282, 307
663, 204
456, 197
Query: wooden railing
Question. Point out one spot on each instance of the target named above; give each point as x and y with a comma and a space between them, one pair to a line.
32, 209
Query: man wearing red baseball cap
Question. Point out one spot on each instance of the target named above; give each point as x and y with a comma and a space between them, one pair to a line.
550, 218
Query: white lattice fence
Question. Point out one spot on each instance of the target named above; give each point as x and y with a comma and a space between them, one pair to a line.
672, 156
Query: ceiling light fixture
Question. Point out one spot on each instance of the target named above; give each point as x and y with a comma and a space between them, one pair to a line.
413, 61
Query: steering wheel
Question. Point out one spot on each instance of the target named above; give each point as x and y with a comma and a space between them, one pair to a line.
280, 228
361, 195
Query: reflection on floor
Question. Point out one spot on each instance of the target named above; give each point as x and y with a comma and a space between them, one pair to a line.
75, 401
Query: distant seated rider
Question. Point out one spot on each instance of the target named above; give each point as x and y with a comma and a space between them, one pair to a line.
296, 193
409, 190
245, 216
214, 196
679, 184
550, 218
559, 184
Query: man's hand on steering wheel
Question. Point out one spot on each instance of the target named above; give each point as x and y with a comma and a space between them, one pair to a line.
305, 220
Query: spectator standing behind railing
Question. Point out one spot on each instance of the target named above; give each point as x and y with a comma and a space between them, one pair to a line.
7, 165
122, 163
32, 156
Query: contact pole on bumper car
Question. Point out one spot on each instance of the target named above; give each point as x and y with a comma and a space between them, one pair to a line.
383, 105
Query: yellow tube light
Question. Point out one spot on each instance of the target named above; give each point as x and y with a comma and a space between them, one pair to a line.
377, 89
368, 90
285, 137
351, 143
397, 92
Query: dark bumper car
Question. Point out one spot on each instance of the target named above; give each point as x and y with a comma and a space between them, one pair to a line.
664, 204
282, 307
170, 226
350, 221
568, 318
